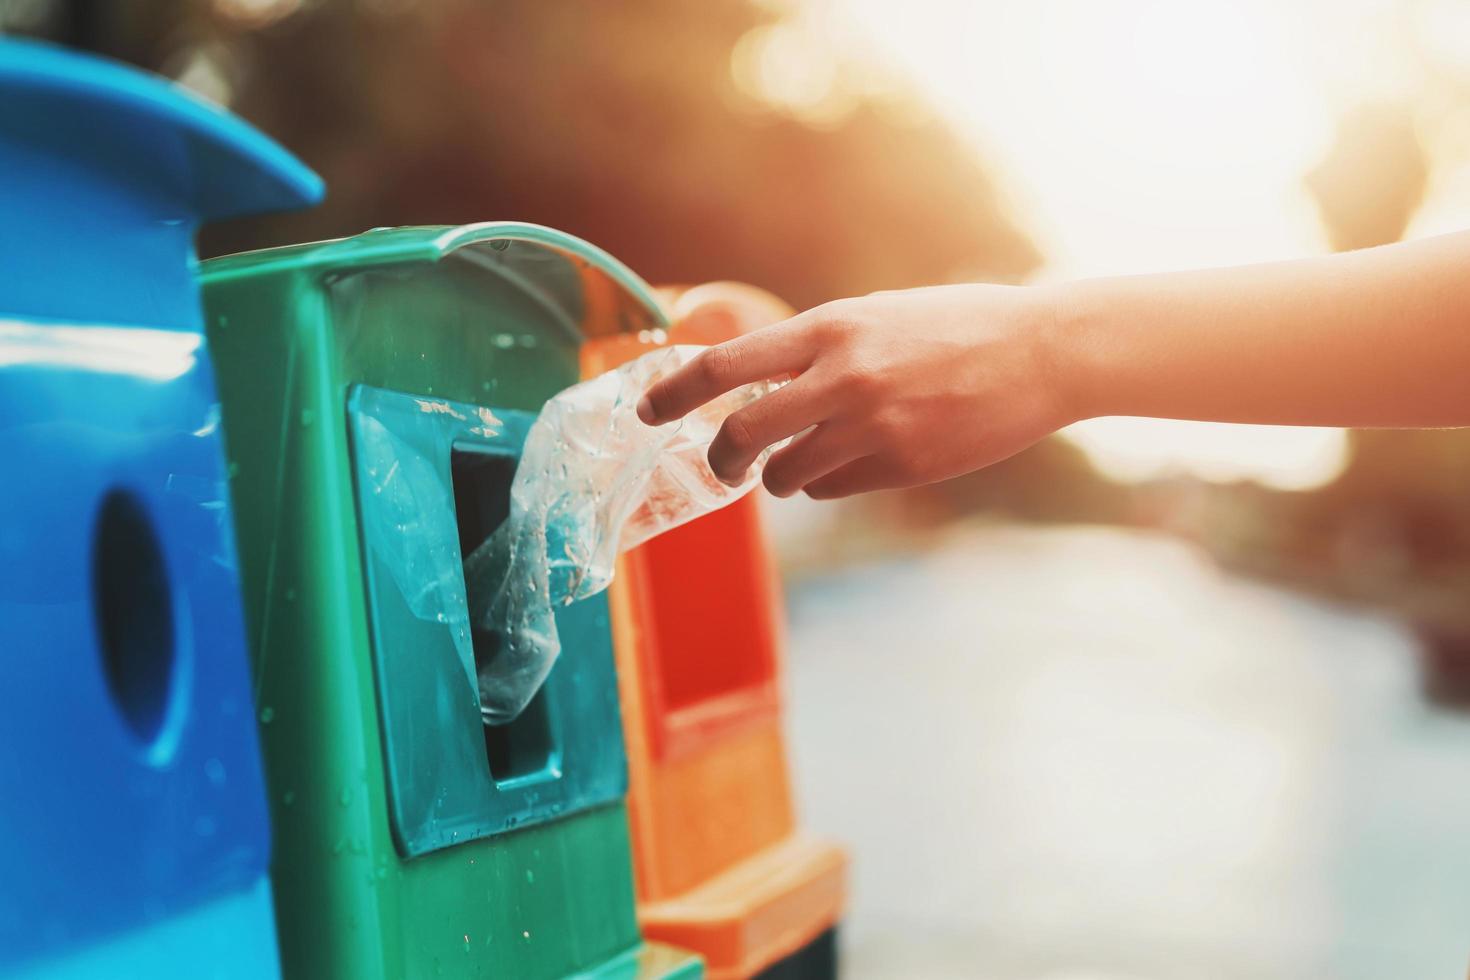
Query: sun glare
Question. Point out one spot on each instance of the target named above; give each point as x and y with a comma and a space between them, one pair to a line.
1144, 135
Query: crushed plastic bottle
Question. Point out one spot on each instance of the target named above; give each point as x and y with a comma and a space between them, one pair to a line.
594, 480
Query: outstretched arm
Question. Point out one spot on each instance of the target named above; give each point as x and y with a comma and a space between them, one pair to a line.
910, 387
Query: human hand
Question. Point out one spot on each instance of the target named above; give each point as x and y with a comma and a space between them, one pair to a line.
896, 389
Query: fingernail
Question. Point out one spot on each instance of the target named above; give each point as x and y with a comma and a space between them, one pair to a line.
645, 410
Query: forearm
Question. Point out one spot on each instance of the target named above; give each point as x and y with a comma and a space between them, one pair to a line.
1378, 338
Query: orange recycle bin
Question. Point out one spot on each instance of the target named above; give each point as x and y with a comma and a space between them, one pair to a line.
721, 866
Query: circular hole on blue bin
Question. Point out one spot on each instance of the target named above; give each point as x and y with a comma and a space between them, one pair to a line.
133, 606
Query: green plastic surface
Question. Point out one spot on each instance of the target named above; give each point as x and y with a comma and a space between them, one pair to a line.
422, 486
489, 316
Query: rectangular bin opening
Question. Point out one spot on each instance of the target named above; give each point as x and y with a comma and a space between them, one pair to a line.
712, 616
522, 748
482, 480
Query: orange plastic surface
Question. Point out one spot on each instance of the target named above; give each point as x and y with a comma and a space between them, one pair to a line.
720, 865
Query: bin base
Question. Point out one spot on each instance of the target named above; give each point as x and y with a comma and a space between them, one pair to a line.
230, 938
651, 961
817, 960
766, 908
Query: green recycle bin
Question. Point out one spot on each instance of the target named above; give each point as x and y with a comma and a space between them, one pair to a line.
376, 391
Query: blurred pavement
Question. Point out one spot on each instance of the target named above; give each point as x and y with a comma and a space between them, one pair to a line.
1086, 754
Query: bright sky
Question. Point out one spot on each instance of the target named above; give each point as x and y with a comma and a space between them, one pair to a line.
1140, 135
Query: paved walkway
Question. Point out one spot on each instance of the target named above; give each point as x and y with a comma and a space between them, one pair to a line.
1089, 755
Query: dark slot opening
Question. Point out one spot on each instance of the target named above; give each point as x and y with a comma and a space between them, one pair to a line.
134, 613
522, 748
482, 483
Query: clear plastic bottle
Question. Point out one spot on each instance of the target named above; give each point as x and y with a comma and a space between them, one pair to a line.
593, 481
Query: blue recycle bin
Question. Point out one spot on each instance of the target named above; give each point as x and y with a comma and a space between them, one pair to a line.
133, 827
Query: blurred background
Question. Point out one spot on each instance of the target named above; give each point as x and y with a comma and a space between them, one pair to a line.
1151, 700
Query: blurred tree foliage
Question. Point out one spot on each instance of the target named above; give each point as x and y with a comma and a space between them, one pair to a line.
619, 122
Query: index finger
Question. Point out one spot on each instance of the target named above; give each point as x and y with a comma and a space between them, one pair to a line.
783, 348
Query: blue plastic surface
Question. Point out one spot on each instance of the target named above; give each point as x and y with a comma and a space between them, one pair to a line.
133, 834
141, 163
186, 946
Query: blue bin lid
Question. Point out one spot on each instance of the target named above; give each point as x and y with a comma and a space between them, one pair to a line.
108, 172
